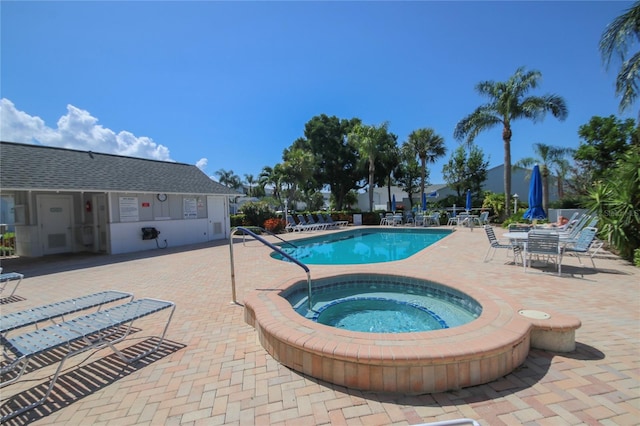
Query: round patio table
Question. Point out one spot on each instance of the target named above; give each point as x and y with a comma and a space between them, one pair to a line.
516, 236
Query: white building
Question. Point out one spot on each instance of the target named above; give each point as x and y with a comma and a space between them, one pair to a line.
60, 200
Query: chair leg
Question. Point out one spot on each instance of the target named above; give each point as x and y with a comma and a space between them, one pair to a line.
487, 254
517, 253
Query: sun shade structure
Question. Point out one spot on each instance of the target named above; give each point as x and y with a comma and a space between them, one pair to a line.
535, 210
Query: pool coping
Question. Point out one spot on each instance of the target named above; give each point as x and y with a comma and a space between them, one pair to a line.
491, 346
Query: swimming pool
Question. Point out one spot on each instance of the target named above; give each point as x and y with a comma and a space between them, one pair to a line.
361, 246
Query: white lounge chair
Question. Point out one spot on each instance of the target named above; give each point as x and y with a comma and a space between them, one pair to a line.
49, 312
319, 225
93, 331
10, 276
323, 221
340, 223
292, 226
483, 219
585, 244
307, 226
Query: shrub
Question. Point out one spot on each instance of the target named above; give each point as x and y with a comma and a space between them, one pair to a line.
495, 202
257, 213
636, 257
237, 220
274, 225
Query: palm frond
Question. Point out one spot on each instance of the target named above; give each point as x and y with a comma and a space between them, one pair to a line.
617, 35
627, 81
536, 107
481, 119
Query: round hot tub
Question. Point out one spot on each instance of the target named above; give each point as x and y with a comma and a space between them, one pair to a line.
492, 344
383, 304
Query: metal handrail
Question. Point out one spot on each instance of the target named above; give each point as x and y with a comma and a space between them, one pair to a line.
272, 247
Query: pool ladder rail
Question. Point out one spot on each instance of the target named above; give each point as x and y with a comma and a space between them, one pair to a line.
272, 247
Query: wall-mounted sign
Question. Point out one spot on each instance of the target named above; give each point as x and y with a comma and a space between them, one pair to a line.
129, 209
190, 208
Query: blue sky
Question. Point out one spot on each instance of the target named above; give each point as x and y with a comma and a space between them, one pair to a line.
230, 85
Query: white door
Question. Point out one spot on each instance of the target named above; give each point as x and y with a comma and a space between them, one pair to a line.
218, 216
55, 217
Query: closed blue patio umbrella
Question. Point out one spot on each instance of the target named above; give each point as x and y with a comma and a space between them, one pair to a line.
424, 201
393, 203
535, 210
468, 205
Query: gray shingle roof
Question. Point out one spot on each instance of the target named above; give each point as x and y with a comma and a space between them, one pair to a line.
37, 167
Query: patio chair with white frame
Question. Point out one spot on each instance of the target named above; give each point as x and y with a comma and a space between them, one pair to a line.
483, 219
585, 244
495, 244
545, 245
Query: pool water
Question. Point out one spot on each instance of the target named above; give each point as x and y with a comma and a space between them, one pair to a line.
362, 246
379, 315
383, 304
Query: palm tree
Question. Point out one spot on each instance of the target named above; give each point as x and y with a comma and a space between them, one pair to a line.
271, 176
508, 102
297, 173
390, 162
408, 171
229, 179
369, 141
547, 157
624, 29
428, 146
562, 168
250, 180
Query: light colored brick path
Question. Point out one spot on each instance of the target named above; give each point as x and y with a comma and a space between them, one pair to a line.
213, 371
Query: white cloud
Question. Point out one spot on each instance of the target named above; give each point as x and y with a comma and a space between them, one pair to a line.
202, 163
78, 129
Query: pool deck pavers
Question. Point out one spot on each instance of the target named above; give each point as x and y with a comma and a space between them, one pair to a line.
212, 369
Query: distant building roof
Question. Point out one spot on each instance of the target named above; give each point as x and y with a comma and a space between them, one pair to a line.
38, 167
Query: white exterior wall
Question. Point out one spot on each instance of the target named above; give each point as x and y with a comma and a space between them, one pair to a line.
380, 198
126, 237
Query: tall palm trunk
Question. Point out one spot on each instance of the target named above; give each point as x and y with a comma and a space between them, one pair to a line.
545, 189
560, 184
423, 161
506, 137
372, 171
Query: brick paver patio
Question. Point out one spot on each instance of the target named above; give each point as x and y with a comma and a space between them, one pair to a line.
212, 370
